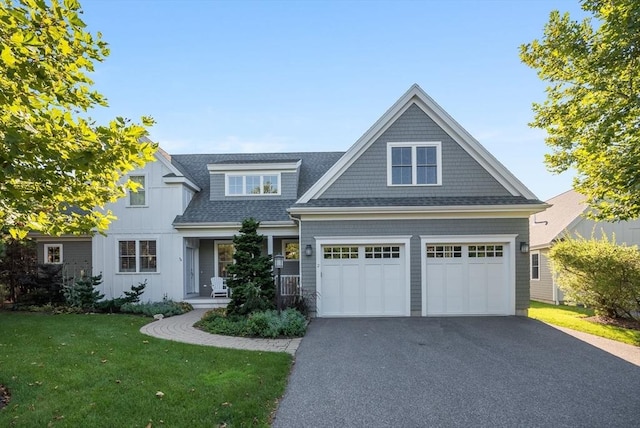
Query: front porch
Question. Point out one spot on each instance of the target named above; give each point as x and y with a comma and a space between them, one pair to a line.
290, 287
209, 257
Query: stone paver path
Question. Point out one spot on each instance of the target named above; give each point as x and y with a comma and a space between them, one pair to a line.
180, 329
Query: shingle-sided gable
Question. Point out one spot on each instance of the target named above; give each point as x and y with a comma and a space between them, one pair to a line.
461, 174
466, 167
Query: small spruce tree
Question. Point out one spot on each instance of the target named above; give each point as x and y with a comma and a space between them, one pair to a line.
250, 278
83, 294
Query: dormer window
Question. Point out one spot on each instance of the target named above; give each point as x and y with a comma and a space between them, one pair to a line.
253, 179
250, 184
414, 164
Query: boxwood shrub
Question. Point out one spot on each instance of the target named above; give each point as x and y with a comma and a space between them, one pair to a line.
167, 308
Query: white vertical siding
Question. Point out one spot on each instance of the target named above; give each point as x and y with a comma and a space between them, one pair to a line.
626, 232
152, 222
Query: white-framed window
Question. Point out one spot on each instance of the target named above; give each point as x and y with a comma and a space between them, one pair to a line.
291, 249
53, 254
138, 198
252, 184
224, 251
535, 265
414, 164
137, 255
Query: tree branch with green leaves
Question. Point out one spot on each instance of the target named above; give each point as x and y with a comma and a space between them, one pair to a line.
58, 168
592, 111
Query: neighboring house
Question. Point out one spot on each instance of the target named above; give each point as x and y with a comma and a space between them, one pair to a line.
415, 219
565, 216
72, 252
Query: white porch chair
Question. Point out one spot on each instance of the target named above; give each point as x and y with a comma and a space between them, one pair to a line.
218, 287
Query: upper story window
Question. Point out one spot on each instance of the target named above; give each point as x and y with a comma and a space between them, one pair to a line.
53, 254
252, 184
138, 198
414, 164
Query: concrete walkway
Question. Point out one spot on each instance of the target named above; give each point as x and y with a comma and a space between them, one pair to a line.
180, 329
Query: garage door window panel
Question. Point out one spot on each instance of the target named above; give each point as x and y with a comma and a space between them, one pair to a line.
485, 251
439, 251
330, 253
382, 252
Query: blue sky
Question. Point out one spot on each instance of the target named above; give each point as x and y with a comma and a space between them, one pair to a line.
264, 76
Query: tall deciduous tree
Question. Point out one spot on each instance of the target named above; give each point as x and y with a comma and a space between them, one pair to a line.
592, 110
58, 168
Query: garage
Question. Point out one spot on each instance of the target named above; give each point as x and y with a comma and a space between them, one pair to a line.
363, 279
467, 279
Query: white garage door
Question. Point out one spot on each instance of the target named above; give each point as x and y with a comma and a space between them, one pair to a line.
467, 279
363, 280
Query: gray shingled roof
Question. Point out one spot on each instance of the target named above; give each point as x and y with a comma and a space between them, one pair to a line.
203, 210
420, 202
313, 166
545, 226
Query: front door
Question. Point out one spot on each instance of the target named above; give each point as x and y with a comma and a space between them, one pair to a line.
190, 271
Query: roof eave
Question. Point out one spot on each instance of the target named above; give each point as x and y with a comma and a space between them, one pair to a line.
227, 225
254, 166
515, 208
182, 180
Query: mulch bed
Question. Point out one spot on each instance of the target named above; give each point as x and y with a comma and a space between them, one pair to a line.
618, 322
4, 396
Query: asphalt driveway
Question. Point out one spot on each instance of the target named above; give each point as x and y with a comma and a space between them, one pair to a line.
455, 372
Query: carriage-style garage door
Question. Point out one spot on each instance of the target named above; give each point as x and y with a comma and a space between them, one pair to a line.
363, 280
467, 279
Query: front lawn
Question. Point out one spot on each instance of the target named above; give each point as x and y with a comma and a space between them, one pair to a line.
576, 319
100, 371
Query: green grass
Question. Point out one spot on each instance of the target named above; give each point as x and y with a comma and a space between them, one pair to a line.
574, 318
100, 371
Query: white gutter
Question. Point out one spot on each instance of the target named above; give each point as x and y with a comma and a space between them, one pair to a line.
227, 225
530, 208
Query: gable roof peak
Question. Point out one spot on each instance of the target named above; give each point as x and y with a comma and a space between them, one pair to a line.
415, 95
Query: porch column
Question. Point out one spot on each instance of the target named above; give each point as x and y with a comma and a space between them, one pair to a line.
270, 244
